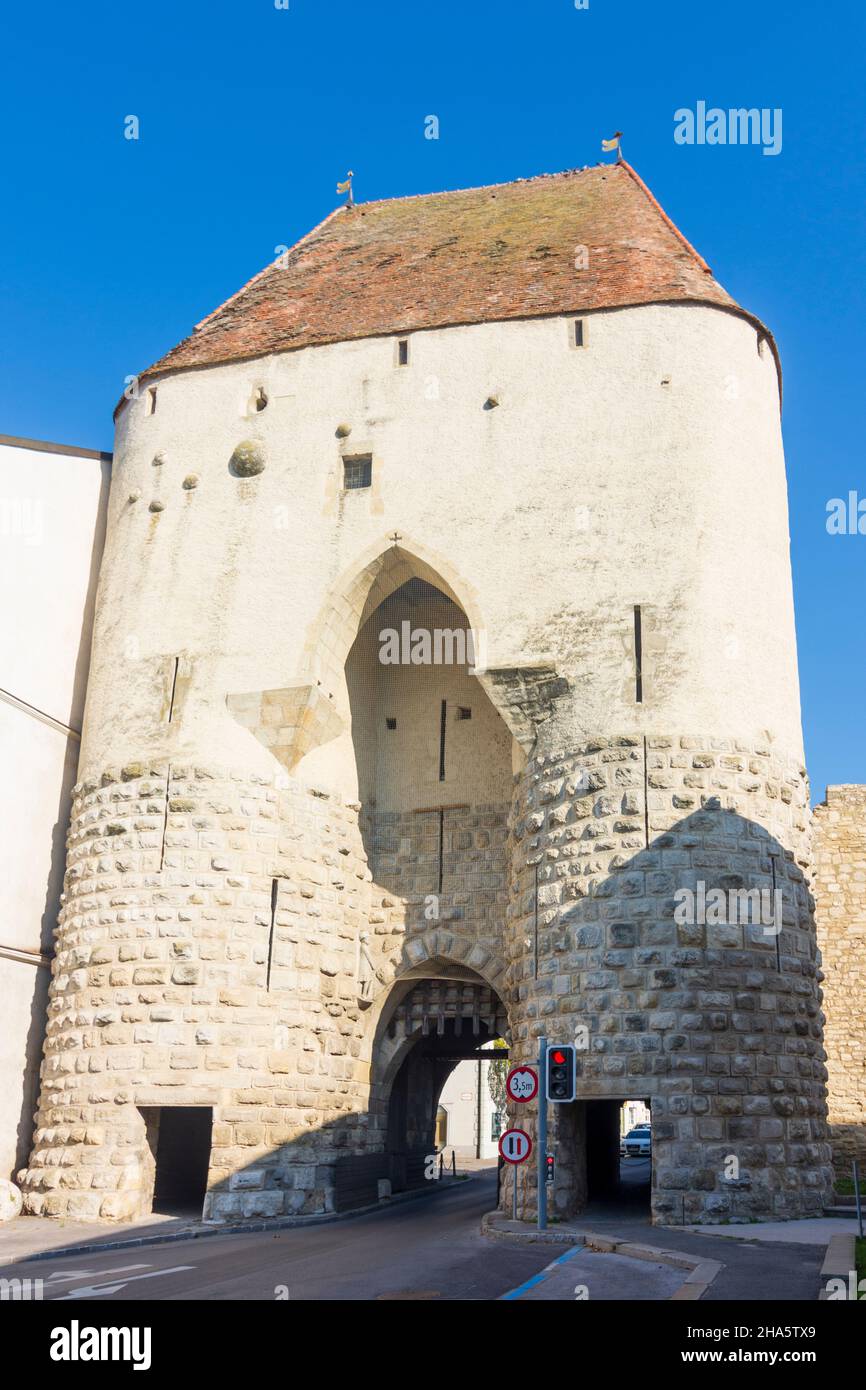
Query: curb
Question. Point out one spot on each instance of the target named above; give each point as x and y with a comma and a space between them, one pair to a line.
701, 1272
533, 1237
839, 1262
279, 1223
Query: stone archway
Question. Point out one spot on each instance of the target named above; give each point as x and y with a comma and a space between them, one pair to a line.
430, 1021
369, 583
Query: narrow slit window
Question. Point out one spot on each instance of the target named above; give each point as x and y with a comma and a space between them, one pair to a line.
443, 714
260, 398
578, 333
151, 400
638, 655
173, 689
357, 472
275, 897
776, 924
403, 352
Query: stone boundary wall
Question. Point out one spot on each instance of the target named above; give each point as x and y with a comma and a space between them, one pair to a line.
839, 831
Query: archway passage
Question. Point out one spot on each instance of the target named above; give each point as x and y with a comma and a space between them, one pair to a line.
604, 1154
428, 1027
432, 764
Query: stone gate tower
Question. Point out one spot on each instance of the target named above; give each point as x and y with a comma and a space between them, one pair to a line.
304, 873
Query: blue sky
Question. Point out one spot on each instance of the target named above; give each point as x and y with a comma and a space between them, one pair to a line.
111, 249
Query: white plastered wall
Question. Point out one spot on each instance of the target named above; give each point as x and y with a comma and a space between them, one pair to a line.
645, 468
52, 511
399, 769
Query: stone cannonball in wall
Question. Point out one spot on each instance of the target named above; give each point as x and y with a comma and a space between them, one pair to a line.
247, 460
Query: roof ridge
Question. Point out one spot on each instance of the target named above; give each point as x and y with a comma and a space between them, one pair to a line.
660, 210
484, 187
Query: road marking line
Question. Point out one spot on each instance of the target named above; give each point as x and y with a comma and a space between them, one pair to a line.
92, 1273
545, 1273
112, 1286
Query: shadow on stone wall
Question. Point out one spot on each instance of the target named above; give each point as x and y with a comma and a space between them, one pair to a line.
717, 1020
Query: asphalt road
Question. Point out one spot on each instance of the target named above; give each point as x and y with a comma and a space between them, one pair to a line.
431, 1248
426, 1249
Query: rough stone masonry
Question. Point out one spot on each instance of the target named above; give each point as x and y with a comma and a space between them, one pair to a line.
840, 884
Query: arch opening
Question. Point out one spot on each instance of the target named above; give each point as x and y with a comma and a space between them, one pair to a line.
432, 1029
425, 736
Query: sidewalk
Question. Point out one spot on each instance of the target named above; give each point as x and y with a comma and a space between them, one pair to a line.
582, 1275
29, 1237
733, 1262
818, 1230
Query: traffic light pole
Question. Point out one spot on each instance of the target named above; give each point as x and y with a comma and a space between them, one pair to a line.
541, 1137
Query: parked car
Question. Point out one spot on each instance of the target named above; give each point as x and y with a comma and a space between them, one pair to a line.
638, 1142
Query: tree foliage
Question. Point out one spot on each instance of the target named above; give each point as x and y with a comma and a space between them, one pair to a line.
496, 1074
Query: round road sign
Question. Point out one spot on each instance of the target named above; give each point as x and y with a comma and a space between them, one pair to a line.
515, 1145
521, 1084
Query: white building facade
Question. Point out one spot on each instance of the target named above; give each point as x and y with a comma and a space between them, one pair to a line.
53, 500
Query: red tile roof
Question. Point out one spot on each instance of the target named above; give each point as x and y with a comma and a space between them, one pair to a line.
470, 256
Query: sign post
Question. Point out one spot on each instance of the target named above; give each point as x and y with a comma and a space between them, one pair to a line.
542, 1136
515, 1146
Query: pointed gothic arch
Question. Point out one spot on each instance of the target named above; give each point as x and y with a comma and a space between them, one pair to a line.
359, 591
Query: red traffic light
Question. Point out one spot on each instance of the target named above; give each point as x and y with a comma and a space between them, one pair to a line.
560, 1073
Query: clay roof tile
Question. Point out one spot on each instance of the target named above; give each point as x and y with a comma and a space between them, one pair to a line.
469, 256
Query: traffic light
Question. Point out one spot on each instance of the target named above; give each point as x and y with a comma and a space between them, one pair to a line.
549, 1168
561, 1072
